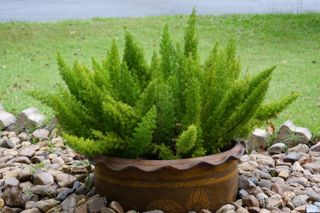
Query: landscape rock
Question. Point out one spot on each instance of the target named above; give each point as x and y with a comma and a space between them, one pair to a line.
29, 150
24, 160
45, 205
226, 208
10, 181
251, 201
41, 134
44, 190
300, 200
314, 167
246, 183
116, 206
291, 157
69, 205
13, 197
30, 118
316, 147
292, 135
7, 143
6, 119
65, 180
312, 209
267, 183
275, 201
258, 140
95, 203
33, 210
277, 148
43, 178
300, 148
62, 195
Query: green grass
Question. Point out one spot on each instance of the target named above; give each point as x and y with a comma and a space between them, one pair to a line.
292, 42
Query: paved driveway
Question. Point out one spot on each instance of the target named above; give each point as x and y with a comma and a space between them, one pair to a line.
52, 10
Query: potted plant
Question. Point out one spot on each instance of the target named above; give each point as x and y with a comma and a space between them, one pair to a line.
162, 136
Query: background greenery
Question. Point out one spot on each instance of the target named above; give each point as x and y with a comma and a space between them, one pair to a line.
292, 42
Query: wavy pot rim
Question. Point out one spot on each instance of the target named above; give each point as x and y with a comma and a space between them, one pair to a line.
121, 164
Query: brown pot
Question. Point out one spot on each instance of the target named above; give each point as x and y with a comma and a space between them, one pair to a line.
173, 186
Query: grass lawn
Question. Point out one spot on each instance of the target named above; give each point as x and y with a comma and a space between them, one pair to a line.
292, 42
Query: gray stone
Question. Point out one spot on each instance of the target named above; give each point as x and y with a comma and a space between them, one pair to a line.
253, 210
277, 148
33, 210
37, 159
7, 143
283, 173
245, 183
242, 193
316, 147
24, 160
263, 159
30, 118
44, 190
116, 206
23, 136
43, 178
251, 201
13, 197
275, 201
296, 167
277, 188
65, 180
292, 135
69, 205
312, 209
302, 148
265, 183
314, 167
258, 140
41, 134
262, 198
300, 200
29, 150
262, 174
6, 119
7, 209
314, 196
301, 180
291, 157
62, 195
95, 203
226, 208
11, 181
45, 205
58, 142
248, 166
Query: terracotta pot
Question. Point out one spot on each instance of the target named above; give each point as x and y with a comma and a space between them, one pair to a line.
173, 186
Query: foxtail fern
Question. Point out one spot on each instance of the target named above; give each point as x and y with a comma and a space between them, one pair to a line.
174, 107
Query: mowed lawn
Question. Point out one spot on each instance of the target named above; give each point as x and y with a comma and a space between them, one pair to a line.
292, 42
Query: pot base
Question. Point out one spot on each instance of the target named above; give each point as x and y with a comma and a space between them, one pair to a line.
203, 186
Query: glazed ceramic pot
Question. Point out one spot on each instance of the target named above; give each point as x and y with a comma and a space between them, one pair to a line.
173, 186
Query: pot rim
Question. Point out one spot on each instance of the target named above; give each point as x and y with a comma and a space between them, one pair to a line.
121, 164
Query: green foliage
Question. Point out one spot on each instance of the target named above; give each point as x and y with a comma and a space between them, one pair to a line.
186, 141
173, 108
